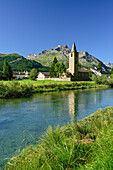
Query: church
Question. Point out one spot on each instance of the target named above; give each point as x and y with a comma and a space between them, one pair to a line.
74, 72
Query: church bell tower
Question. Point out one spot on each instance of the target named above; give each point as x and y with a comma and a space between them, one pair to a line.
73, 61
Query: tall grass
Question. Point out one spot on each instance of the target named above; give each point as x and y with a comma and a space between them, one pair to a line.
85, 145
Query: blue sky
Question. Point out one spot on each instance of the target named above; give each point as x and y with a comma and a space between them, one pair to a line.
30, 26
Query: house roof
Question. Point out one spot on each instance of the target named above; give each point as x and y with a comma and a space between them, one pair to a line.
102, 72
45, 73
21, 73
83, 70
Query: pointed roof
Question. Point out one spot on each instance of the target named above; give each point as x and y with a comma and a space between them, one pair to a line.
73, 47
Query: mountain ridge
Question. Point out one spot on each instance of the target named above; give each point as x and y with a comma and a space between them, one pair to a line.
20, 63
62, 53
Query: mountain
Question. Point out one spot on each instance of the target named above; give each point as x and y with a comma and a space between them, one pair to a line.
109, 65
19, 63
62, 53
89, 61
47, 56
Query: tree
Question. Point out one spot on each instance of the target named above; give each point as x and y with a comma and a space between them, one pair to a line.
111, 71
7, 71
60, 69
52, 72
99, 66
55, 61
33, 74
0, 75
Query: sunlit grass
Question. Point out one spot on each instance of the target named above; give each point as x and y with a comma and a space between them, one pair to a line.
23, 88
24, 81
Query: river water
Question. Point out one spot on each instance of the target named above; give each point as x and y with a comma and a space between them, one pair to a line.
25, 120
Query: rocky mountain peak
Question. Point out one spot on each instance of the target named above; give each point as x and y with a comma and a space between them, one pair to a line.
62, 48
83, 53
62, 53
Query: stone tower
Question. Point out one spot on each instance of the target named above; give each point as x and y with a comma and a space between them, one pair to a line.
73, 61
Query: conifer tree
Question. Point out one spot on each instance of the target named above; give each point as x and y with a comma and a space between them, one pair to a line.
60, 69
7, 71
52, 72
99, 66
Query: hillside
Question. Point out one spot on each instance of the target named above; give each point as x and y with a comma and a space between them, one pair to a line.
109, 65
19, 63
47, 56
90, 61
62, 54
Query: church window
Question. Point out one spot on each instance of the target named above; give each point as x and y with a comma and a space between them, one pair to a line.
71, 55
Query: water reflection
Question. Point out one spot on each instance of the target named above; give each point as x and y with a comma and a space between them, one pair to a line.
73, 100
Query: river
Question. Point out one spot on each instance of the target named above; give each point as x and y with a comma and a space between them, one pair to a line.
23, 121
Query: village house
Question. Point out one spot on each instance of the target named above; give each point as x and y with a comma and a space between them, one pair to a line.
43, 75
100, 73
20, 75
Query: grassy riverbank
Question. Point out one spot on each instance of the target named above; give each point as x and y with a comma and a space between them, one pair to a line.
23, 88
85, 145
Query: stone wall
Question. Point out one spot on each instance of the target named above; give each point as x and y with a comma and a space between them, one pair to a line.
56, 79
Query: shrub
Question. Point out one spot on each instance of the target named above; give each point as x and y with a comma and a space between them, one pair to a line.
15, 89
110, 82
99, 79
93, 77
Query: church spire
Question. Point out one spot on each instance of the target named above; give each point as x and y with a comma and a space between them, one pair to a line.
73, 47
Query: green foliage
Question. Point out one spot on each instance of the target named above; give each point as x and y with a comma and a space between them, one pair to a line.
102, 80
57, 68
85, 145
60, 68
33, 74
99, 66
19, 63
110, 82
15, 90
55, 61
111, 76
79, 65
50, 86
111, 71
52, 72
93, 77
0, 75
7, 71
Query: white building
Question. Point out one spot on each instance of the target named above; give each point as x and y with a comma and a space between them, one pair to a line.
100, 73
43, 75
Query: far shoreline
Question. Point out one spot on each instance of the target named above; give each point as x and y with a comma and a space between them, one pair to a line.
27, 88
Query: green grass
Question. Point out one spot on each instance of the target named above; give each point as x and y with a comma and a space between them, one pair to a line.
47, 59
85, 145
23, 88
24, 81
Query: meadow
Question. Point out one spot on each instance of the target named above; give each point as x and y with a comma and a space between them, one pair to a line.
24, 88
41, 82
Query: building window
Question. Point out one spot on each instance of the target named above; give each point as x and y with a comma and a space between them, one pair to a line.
71, 55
